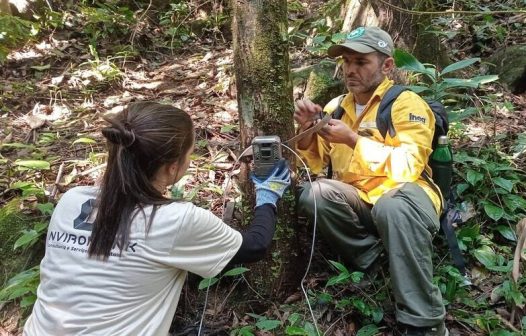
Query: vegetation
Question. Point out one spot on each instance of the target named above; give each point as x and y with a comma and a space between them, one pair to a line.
65, 68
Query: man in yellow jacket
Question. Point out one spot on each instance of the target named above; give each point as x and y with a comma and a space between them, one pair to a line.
378, 199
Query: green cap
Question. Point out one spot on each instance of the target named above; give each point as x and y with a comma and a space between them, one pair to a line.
364, 40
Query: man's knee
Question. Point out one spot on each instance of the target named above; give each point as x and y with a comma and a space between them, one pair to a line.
387, 208
307, 198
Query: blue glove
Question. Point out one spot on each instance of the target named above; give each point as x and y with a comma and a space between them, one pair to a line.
272, 188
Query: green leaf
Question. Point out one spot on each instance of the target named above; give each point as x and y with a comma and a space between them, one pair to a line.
357, 276
84, 141
450, 83
494, 212
19, 292
33, 164
507, 232
39, 227
228, 128
207, 282
418, 88
474, 177
309, 328
340, 267
246, 331
485, 255
503, 183
377, 314
461, 187
294, 318
319, 39
502, 332
368, 330
236, 271
295, 330
514, 202
17, 145
28, 237
459, 115
46, 208
341, 278
338, 37
459, 65
407, 61
485, 79
268, 324
28, 301
41, 67
471, 232
324, 298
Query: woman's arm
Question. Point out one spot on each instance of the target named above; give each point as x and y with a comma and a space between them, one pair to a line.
258, 237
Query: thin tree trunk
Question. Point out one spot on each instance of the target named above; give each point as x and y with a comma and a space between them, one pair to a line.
264, 95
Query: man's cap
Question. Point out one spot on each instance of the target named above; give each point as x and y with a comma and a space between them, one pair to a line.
364, 40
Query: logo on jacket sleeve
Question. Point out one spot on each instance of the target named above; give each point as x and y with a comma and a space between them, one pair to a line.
416, 118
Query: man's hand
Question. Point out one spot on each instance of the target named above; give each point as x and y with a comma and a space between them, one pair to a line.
305, 112
336, 131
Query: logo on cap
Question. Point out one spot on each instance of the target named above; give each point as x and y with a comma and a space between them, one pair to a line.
356, 33
382, 44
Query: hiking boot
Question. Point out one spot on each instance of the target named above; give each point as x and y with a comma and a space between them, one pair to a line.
438, 330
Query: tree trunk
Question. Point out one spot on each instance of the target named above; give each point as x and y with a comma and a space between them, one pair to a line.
264, 95
408, 30
5, 8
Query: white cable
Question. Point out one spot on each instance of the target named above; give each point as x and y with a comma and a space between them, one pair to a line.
229, 177
313, 240
227, 182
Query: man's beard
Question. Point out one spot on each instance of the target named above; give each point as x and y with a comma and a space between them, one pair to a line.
370, 86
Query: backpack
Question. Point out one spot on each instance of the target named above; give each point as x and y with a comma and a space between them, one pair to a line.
385, 124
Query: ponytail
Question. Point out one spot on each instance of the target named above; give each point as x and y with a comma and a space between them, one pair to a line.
140, 139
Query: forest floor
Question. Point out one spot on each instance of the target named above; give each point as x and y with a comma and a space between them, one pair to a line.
54, 92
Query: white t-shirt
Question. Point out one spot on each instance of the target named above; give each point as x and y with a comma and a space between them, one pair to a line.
135, 294
359, 109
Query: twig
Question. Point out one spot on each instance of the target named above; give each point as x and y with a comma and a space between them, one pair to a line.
335, 322
91, 170
507, 323
132, 38
57, 180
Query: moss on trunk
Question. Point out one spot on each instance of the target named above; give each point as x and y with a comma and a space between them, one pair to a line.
261, 61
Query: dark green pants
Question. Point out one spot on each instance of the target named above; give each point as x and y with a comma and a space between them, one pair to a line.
403, 222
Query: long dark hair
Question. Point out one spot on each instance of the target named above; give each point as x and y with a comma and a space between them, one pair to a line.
141, 139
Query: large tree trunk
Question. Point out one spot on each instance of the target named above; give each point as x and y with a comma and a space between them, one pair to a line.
407, 30
264, 95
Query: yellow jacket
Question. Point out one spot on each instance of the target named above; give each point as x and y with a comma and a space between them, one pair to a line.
377, 165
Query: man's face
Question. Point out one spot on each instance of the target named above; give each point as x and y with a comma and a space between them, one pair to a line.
363, 72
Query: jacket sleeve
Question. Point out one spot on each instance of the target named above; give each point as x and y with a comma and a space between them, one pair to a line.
316, 155
403, 158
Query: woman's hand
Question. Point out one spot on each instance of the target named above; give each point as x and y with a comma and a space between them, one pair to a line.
272, 188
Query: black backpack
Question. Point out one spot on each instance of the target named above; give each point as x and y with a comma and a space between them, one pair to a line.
385, 124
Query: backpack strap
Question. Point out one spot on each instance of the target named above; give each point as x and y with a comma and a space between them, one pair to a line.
449, 217
336, 114
383, 116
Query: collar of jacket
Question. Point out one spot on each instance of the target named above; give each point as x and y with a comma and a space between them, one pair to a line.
348, 101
